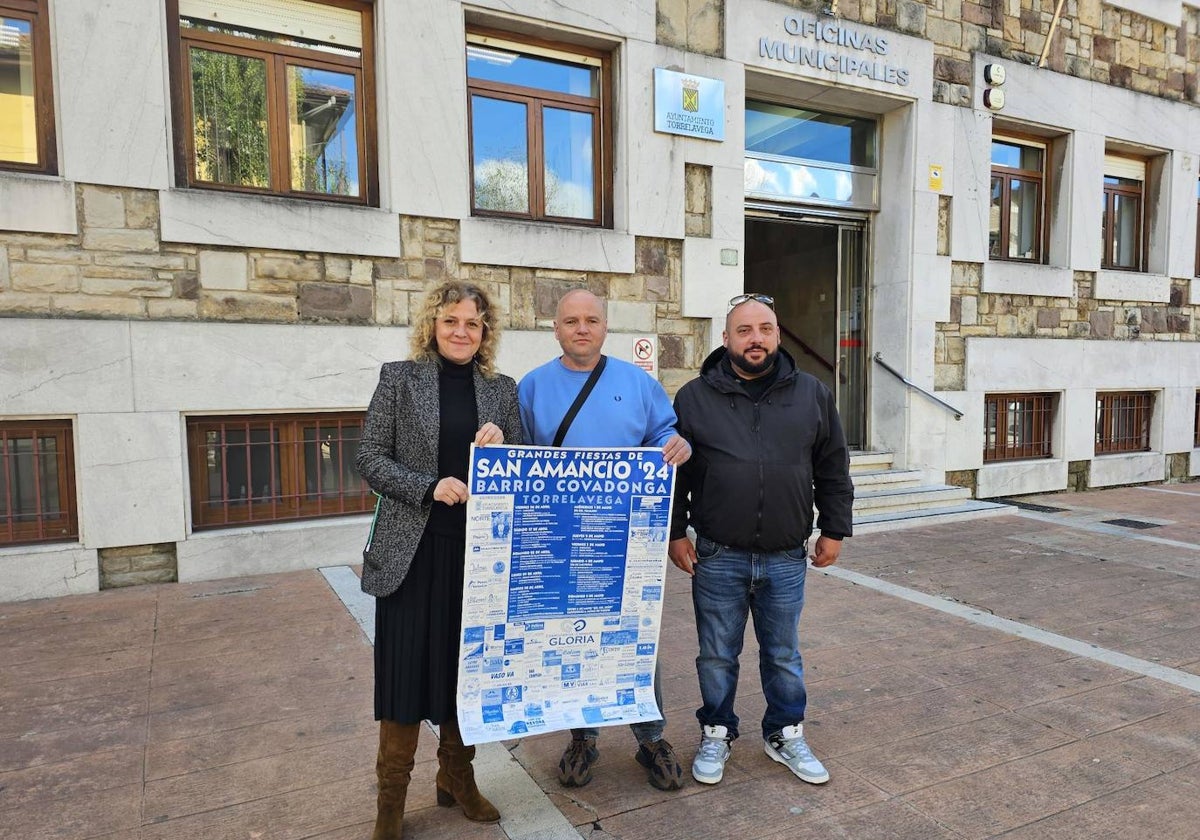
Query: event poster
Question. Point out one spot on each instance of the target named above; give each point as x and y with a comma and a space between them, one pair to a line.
562, 599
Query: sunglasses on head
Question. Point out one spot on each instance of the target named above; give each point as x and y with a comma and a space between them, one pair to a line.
738, 300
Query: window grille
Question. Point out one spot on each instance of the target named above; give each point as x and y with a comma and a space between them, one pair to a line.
1123, 422
1018, 426
37, 488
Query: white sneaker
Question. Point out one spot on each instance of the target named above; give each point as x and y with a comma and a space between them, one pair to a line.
709, 764
788, 747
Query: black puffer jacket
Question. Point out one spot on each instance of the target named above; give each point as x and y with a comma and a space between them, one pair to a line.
758, 467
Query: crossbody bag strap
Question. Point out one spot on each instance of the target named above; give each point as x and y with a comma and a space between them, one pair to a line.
579, 401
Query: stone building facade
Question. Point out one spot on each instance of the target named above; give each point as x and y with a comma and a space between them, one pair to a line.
137, 305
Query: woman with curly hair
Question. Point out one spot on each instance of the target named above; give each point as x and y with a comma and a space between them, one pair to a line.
414, 453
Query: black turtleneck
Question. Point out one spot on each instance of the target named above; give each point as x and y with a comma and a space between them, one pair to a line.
458, 422
754, 387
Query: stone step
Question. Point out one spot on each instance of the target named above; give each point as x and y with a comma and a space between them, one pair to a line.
909, 498
879, 479
870, 461
890, 520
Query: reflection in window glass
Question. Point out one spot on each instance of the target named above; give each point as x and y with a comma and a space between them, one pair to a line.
811, 135
567, 142
229, 112
1022, 217
329, 454
18, 117
511, 68
501, 155
1016, 156
808, 182
324, 135
1125, 231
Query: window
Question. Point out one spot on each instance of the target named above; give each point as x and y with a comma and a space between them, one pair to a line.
539, 133
1124, 182
810, 157
274, 469
1017, 426
1015, 226
275, 96
37, 490
26, 93
1123, 422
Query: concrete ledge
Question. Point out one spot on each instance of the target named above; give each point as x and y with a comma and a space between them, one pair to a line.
1138, 468
47, 571
1017, 478
1016, 278
1132, 285
266, 549
529, 245
37, 204
201, 217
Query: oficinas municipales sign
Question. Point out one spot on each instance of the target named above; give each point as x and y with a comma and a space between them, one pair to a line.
831, 45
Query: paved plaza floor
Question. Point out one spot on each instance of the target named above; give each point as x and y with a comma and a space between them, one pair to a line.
1027, 676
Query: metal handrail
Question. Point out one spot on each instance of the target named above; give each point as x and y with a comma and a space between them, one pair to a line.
825, 363
879, 358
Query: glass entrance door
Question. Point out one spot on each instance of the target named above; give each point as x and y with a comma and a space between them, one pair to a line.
852, 336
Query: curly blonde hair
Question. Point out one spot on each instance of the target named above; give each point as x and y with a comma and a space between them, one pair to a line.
423, 337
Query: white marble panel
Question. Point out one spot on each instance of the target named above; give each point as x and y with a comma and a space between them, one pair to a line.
728, 202
1077, 421
627, 18
58, 368
630, 317
207, 217
129, 471
925, 216
48, 571
1017, 478
1049, 364
1016, 278
1132, 285
267, 549
972, 175
531, 245
708, 285
1194, 464
1194, 291
931, 287
111, 93
1110, 470
1086, 165
921, 352
964, 438
937, 146
1177, 407
649, 188
1181, 244
423, 109
760, 23
1081, 105
37, 204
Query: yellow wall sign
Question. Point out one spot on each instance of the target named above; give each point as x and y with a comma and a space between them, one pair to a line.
935, 177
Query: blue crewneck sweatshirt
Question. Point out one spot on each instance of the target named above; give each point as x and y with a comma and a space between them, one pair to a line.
626, 408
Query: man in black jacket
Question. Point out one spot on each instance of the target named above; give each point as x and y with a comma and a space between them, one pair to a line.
767, 443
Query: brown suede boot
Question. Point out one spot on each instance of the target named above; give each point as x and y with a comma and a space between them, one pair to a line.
456, 777
393, 767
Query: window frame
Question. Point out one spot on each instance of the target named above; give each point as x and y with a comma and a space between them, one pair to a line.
277, 58
1042, 406
1124, 166
67, 519
1005, 175
535, 99
289, 503
1196, 424
37, 13
1143, 411
1197, 267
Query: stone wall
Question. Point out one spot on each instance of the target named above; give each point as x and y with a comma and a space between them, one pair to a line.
1082, 316
119, 267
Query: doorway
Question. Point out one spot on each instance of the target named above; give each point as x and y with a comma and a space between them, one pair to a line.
816, 271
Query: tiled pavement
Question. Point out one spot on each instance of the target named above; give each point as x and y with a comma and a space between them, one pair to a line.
242, 708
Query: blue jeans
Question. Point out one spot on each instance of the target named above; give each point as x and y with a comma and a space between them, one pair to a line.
646, 732
728, 584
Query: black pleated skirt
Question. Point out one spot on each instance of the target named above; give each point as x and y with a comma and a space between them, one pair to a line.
417, 629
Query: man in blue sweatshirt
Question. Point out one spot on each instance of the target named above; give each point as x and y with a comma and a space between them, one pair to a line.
625, 408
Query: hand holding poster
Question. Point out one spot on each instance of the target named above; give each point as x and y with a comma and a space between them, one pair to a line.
562, 601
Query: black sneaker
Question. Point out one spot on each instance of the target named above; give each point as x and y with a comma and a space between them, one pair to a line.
575, 766
663, 768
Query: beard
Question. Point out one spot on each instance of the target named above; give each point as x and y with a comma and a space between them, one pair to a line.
753, 368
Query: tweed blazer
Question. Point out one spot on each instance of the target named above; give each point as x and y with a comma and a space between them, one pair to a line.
398, 458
